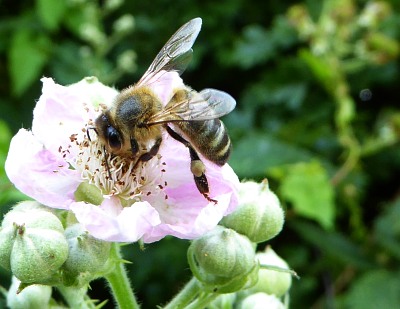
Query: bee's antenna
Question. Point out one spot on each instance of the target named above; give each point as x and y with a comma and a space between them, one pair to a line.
87, 132
106, 161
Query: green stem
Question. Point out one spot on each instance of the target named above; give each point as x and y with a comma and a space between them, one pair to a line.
185, 296
3, 291
119, 282
76, 297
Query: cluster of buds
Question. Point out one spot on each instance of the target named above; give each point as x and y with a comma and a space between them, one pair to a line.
44, 248
39, 250
225, 261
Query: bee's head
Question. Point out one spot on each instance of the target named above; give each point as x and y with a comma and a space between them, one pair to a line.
108, 134
115, 141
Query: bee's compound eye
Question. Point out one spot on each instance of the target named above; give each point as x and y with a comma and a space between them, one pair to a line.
113, 138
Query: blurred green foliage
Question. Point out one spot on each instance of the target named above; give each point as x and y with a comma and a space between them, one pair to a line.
318, 114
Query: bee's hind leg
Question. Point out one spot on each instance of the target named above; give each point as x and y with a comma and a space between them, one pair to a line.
197, 167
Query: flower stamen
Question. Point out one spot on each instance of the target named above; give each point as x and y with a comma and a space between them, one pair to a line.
115, 175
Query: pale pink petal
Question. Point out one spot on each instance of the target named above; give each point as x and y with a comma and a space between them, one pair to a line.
96, 220
38, 173
189, 220
184, 211
112, 222
164, 83
63, 111
57, 116
137, 220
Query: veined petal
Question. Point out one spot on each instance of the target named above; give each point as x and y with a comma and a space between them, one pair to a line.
188, 220
38, 173
112, 222
63, 112
183, 210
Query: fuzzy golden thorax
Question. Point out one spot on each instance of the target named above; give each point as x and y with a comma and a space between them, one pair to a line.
122, 128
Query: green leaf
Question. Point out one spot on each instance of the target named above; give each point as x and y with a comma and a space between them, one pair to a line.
254, 154
333, 244
51, 12
254, 47
5, 137
28, 55
318, 65
387, 229
375, 289
307, 186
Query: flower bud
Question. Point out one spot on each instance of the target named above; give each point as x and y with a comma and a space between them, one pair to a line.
222, 260
31, 297
271, 281
91, 33
7, 237
87, 256
124, 24
261, 301
223, 301
37, 247
259, 215
126, 61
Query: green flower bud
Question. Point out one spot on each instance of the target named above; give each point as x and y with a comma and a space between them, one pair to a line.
31, 297
259, 215
261, 301
222, 260
92, 33
126, 61
87, 256
223, 301
7, 237
124, 24
112, 5
36, 248
271, 282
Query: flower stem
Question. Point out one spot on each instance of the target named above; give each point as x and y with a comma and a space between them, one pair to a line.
185, 296
119, 282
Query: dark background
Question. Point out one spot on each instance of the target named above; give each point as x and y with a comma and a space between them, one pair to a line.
317, 90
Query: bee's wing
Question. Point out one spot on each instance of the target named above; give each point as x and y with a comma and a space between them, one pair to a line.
205, 105
176, 53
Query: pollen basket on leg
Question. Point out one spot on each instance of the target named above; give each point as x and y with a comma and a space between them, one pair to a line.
115, 175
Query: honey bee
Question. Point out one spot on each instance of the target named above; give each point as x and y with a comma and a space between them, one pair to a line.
132, 127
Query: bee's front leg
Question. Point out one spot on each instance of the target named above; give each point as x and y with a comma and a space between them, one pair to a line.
150, 154
197, 167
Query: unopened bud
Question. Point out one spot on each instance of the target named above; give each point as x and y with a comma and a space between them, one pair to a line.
261, 301
127, 61
271, 281
124, 24
87, 256
223, 301
31, 297
37, 247
222, 260
259, 215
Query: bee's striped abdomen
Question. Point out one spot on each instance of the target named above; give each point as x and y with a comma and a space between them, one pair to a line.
209, 138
